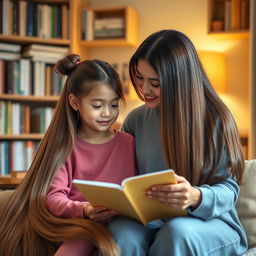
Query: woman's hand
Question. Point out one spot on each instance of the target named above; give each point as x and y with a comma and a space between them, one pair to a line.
98, 213
181, 195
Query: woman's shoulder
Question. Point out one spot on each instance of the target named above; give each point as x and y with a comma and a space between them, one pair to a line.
138, 111
142, 112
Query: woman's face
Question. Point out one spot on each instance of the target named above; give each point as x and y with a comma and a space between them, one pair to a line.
148, 80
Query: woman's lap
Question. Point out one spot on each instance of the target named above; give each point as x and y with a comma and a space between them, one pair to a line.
176, 236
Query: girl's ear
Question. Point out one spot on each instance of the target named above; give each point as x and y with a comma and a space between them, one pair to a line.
73, 101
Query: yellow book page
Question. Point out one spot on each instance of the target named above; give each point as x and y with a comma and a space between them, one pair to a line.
150, 209
107, 194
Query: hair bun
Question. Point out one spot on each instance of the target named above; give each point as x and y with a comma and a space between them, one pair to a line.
66, 65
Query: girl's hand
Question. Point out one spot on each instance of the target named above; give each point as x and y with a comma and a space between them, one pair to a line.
98, 213
181, 195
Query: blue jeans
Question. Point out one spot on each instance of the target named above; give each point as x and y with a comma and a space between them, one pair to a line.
180, 236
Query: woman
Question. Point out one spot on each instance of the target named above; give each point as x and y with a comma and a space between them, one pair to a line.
185, 126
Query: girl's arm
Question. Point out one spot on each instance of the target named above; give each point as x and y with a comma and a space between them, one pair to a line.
57, 198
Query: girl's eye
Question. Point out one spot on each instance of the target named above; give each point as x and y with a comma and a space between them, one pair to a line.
96, 106
114, 105
155, 85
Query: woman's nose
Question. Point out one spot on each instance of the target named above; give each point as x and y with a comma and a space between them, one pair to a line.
146, 88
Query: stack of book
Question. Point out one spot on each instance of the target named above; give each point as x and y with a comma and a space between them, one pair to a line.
109, 28
9, 51
45, 53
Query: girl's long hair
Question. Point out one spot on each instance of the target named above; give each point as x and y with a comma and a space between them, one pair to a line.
197, 129
26, 227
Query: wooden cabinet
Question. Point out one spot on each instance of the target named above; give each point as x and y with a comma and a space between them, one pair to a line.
228, 19
72, 39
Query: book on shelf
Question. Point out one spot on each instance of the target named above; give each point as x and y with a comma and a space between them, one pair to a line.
30, 77
16, 156
129, 198
245, 14
236, 14
7, 47
87, 25
108, 27
9, 55
46, 48
29, 18
227, 19
14, 118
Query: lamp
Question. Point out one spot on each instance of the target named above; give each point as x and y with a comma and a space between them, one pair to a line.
214, 64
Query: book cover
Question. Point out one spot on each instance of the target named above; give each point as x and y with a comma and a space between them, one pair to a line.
130, 198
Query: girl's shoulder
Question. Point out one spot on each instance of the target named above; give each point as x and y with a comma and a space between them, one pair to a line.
122, 135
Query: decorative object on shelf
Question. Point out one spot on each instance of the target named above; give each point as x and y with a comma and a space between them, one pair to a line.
215, 67
217, 23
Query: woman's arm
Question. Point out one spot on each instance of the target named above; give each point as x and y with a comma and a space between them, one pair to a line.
216, 199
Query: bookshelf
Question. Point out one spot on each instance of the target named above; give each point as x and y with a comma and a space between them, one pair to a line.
109, 27
228, 19
71, 39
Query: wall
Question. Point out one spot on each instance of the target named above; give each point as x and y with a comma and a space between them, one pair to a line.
190, 17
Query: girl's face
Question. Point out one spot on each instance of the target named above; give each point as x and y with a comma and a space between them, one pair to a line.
98, 110
148, 80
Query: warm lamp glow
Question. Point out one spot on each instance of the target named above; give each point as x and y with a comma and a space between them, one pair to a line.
214, 64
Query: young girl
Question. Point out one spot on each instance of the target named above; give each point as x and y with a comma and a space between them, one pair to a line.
79, 144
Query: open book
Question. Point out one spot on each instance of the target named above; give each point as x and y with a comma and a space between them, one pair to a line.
130, 198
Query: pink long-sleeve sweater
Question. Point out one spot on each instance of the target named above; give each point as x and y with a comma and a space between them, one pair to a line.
112, 162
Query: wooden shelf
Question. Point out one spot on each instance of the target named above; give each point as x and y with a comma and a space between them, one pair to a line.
25, 136
230, 35
234, 17
8, 181
31, 98
107, 43
76, 45
32, 39
130, 20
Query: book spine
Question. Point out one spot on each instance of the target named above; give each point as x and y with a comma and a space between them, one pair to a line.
30, 19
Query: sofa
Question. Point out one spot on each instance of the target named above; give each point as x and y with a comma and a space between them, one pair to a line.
246, 205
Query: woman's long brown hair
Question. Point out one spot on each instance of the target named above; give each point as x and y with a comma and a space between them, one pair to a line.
27, 228
197, 129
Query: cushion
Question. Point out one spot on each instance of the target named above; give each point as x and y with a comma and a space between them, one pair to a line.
246, 205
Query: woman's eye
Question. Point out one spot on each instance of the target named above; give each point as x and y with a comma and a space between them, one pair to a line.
138, 77
114, 105
155, 85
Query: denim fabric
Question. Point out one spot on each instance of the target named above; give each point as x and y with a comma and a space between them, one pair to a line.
181, 236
